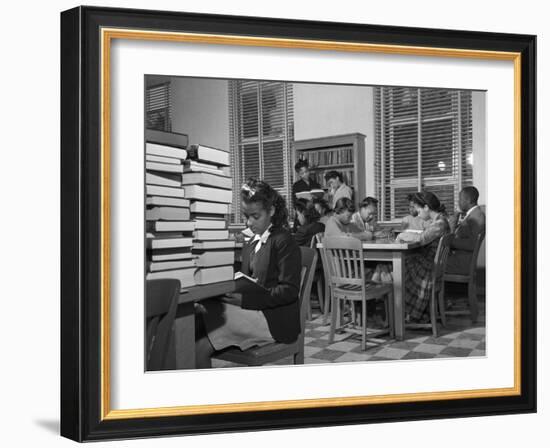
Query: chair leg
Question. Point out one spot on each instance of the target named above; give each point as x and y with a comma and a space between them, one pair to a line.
308, 309
472, 299
364, 324
320, 295
334, 316
441, 306
433, 316
328, 302
389, 299
299, 357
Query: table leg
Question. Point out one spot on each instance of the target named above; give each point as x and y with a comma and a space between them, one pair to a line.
184, 335
398, 293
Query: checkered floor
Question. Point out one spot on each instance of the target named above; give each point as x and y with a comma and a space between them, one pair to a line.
460, 338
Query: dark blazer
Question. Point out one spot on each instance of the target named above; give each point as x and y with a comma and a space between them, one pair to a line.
300, 185
278, 266
462, 246
306, 232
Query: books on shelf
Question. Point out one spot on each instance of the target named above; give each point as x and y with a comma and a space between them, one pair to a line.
168, 243
167, 214
164, 167
207, 179
167, 201
211, 234
156, 149
169, 265
156, 190
214, 258
164, 179
329, 157
200, 192
204, 276
171, 226
209, 208
207, 154
162, 159
167, 138
185, 276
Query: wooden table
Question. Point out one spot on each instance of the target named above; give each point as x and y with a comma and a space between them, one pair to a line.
394, 252
184, 326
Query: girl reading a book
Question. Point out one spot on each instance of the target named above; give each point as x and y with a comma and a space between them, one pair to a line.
272, 258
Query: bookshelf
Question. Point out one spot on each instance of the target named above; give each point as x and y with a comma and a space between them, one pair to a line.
344, 153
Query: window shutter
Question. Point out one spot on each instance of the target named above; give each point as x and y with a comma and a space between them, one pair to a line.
423, 142
158, 107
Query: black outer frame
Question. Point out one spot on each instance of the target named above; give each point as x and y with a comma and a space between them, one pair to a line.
81, 208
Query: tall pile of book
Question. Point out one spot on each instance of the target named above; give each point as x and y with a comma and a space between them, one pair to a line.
188, 197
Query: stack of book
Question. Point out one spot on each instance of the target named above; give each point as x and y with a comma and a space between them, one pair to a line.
187, 201
209, 191
168, 219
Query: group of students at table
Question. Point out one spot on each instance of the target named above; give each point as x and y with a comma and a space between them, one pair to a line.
272, 257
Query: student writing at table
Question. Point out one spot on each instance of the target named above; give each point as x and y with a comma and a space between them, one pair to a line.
420, 262
412, 221
273, 258
366, 218
340, 223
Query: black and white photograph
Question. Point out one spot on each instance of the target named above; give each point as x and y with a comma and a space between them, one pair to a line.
291, 223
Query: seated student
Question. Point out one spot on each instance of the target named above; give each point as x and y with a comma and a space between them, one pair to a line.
340, 223
466, 225
304, 183
365, 218
274, 259
419, 263
412, 221
323, 209
308, 217
337, 187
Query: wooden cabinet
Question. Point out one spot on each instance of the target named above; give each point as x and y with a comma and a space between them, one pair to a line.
344, 153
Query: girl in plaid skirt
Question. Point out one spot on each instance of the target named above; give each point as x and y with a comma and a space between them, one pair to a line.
419, 263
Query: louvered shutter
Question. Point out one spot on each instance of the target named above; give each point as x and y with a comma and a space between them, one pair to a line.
158, 107
423, 142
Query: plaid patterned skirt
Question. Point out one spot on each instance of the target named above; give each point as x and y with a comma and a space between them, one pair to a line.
418, 273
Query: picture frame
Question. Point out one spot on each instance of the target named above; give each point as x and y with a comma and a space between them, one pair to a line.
86, 37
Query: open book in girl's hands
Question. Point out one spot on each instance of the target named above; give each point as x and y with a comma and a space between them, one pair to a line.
248, 285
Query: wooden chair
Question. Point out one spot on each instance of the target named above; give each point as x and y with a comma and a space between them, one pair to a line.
346, 266
161, 302
469, 279
257, 356
437, 298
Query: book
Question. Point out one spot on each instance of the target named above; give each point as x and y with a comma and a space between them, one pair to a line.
155, 149
181, 253
211, 234
209, 208
167, 201
185, 276
208, 194
167, 214
210, 223
165, 180
165, 243
171, 226
204, 153
207, 179
247, 285
309, 195
162, 159
169, 265
155, 190
215, 258
214, 244
164, 167
167, 138
190, 166
204, 276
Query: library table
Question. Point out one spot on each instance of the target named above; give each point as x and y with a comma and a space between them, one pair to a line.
184, 326
395, 253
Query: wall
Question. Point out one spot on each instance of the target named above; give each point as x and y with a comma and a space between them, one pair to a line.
200, 108
322, 110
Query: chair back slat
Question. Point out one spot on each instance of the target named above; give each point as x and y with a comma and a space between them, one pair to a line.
309, 262
344, 257
440, 260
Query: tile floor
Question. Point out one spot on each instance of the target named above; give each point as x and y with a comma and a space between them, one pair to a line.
460, 338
